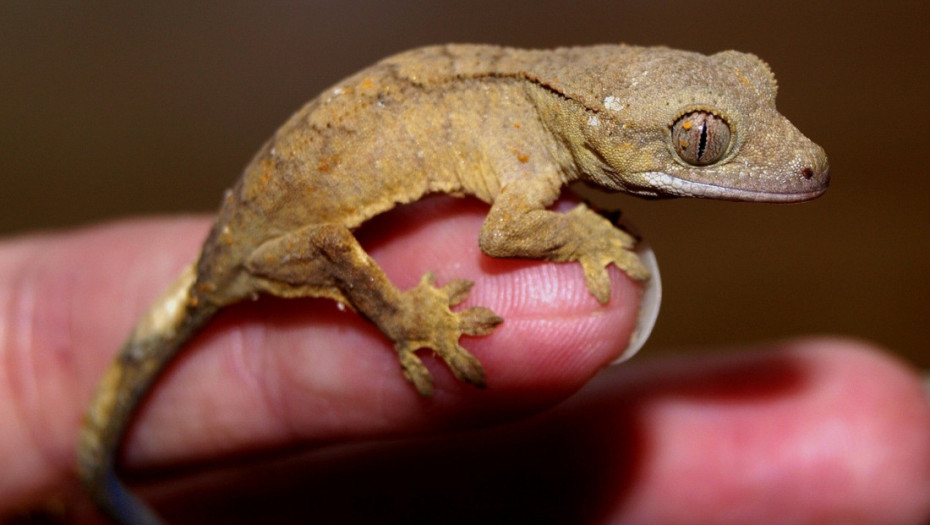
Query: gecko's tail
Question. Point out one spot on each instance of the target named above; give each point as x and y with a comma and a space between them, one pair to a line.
171, 321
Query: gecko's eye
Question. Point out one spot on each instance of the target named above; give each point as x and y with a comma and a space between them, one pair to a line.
700, 138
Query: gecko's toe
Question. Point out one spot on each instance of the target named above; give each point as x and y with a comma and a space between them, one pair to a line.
457, 290
597, 279
465, 366
415, 371
633, 266
479, 321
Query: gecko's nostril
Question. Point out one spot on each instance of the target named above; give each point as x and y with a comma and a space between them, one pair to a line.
807, 173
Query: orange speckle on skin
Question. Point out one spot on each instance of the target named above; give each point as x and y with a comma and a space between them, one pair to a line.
267, 166
683, 144
522, 157
742, 78
516, 125
686, 125
327, 163
367, 83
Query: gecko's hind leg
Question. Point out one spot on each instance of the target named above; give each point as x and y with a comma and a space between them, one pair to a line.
326, 260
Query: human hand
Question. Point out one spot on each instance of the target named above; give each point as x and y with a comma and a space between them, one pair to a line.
804, 431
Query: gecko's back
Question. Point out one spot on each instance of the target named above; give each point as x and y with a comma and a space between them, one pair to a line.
374, 141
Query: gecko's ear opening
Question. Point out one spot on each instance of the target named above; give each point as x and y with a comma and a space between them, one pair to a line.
751, 68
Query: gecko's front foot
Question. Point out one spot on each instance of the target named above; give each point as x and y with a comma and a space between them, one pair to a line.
424, 320
603, 244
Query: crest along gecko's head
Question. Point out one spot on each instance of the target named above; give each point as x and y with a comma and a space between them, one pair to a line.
691, 125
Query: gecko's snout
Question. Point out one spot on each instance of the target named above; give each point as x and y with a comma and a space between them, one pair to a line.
813, 171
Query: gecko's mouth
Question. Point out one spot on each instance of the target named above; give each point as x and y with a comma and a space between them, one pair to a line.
671, 185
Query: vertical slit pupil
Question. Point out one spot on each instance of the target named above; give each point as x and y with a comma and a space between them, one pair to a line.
702, 144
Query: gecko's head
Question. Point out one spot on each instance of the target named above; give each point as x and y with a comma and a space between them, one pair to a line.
702, 126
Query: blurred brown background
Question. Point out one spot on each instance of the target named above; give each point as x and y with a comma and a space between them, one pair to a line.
110, 110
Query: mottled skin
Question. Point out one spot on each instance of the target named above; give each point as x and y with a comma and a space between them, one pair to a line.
510, 127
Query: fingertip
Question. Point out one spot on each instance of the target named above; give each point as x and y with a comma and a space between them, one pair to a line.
555, 335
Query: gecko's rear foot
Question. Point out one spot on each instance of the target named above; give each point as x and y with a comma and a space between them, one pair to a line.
424, 320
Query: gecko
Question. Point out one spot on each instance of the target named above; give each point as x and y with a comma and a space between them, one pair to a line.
511, 127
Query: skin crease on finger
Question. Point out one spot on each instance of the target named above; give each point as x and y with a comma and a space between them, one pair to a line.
275, 373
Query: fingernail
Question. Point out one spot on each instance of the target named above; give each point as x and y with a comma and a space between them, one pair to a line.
649, 304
